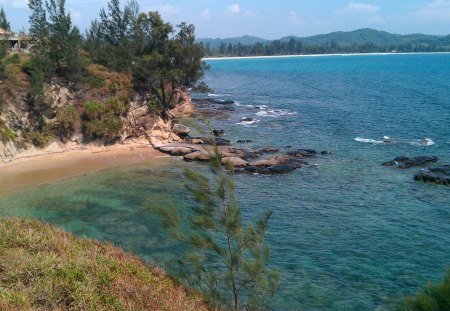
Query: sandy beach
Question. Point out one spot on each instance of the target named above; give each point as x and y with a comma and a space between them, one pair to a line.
53, 164
317, 55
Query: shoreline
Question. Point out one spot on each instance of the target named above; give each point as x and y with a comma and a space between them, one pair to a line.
319, 55
52, 164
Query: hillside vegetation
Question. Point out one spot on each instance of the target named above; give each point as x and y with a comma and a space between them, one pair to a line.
45, 268
359, 41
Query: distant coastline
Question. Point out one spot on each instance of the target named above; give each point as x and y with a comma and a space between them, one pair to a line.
318, 55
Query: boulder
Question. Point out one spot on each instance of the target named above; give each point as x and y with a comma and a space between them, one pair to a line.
268, 150
181, 130
326, 152
197, 156
177, 150
237, 162
404, 162
438, 175
218, 132
301, 153
244, 141
271, 170
8, 149
278, 160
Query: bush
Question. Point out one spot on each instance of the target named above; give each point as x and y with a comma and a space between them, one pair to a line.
153, 108
67, 119
104, 119
41, 139
6, 134
96, 81
432, 297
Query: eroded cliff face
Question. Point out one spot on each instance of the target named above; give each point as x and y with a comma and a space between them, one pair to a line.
18, 120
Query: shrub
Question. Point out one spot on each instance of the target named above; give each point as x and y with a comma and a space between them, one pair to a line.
67, 119
432, 297
96, 81
153, 107
93, 109
40, 139
6, 134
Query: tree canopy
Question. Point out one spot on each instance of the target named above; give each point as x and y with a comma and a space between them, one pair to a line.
4, 24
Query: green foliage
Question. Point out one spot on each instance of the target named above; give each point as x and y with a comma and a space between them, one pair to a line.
6, 134
95, 81
153, 107
164, 62
67, 120
3, 21
434, 297
202, 87
103, 119
41, 138
228, 260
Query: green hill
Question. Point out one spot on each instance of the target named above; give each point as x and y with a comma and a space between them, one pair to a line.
244, 40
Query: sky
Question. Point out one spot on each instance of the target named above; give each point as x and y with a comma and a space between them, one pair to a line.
270, 19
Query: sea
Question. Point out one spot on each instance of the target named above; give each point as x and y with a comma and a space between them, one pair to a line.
346, 232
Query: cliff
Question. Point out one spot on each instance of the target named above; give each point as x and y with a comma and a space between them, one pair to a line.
101, 111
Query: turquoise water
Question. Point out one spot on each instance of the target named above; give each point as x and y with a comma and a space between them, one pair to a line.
348, 234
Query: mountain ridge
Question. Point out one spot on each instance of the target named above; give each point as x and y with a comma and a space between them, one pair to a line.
359, 36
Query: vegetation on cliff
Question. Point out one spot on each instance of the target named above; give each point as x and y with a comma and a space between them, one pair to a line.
45, 268
127, 59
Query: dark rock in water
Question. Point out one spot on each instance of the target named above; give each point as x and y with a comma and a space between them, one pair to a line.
281, 169
326, 152
300, 153
288, 146
219, 141
222, 102
438, 175
403, 162
243, 141
268, 150
181, 130
246, 119
218, 132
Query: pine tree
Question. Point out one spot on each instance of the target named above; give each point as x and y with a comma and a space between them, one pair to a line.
228, 260
4, 24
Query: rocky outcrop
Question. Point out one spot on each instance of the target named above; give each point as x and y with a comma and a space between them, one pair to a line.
438, 175
7, 150
181, 130
404, 162
184, 106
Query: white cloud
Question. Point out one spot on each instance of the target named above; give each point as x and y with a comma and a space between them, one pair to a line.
163, 9
295, 20
359, 7
234, 8
439, 4
75, 15
206, 14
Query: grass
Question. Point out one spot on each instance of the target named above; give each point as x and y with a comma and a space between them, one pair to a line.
44, 268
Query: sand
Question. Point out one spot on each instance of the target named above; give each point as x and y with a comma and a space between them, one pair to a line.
56, 163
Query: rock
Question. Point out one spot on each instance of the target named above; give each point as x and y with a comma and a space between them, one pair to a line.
243, 141
281, 169
197, 156
246, 119
268, 150
8, 149
197, 141
181, 130
139, 112
219, 141
237, 162
326, 152
403, 162
300, 153
177, 150
218, 132
438, 175
278, 160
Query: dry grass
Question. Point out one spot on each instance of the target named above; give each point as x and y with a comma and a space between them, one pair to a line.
44, 268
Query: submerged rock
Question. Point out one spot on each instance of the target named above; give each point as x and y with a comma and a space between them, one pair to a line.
404, 162
300, 153
438, 175
219, 132
243, 141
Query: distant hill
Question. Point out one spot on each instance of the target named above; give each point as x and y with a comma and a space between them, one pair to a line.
367, 35
343, 38
244, 40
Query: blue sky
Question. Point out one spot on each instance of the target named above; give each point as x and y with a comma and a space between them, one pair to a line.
271, 19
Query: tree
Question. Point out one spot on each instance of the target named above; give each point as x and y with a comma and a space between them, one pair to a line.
227, 260
3, 21
164, 62
432, 297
